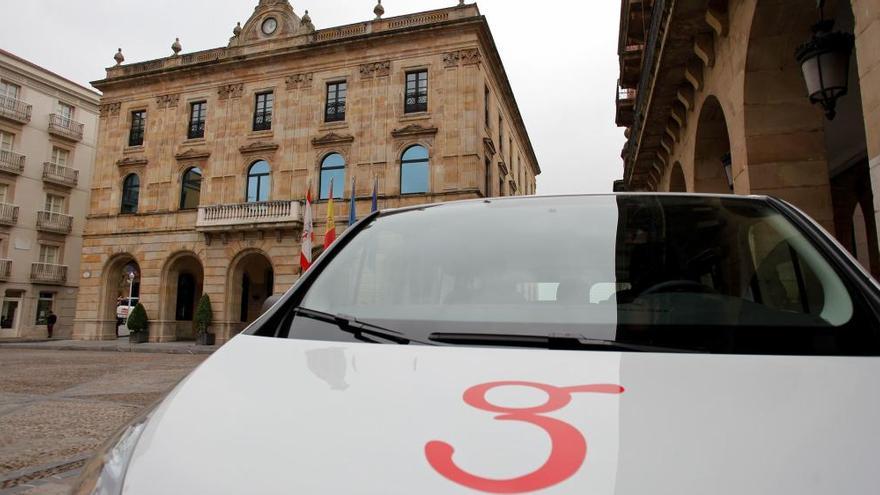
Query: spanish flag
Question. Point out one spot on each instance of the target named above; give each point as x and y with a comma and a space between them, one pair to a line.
330, 235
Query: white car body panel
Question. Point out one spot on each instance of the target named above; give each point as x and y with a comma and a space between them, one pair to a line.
266, 415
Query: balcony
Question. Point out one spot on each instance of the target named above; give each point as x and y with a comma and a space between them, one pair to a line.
8, 214
269, 215
11, 163
45, 273
5, 269
631, 65
626, 101
15, 110
57, 223
64, 127
59, 174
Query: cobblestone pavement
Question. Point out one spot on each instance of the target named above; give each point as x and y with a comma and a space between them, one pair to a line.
57, 407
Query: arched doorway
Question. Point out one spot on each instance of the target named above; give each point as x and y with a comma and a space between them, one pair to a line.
251, 282
121, 287
677, 182
712, 150
181, 289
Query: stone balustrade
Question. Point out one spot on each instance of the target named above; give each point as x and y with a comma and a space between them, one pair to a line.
271, 214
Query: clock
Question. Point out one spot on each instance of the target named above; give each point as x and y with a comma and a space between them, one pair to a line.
269, 25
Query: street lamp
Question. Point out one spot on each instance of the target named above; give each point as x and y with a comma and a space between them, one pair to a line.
131, 276
824, 61
727, 163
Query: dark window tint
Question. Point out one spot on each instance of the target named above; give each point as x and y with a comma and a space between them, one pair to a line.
486, 106
263, 111
138, 125
487, 184
191, 189
416, 92
414, 170
198, 113
332, 168
258, 182
335, 108
131, 188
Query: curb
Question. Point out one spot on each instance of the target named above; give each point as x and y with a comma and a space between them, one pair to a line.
111, 348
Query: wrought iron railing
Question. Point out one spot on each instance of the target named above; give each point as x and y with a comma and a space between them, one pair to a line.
416, 102
197, 130
47, 273
8, 214
11, 162
15, 109
262, 121
136, 137
334, 111
59, 174
65, 127
54, 222
249, 213
624, 94
5, 269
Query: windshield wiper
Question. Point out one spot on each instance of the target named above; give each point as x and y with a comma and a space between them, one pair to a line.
555, 342
359, 329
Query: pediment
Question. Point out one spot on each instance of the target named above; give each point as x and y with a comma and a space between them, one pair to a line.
258, 147
414, 130
193, 154
131, 161
332, 138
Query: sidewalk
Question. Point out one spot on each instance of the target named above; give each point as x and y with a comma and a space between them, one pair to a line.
119, 345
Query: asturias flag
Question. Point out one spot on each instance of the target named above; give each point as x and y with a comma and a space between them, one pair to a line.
330, 235
308, 234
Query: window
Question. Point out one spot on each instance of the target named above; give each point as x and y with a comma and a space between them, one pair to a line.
335, 109
191, 189
44, 306
49, 254
486, 105
416, 92
4, 193
487, 183
138, 124
258, 182
65, 111
510, 150
414, 170
6, 141
500, 135
332, 168
131, 189
54, 203
9, 90
263, 111
197, 113
60, 156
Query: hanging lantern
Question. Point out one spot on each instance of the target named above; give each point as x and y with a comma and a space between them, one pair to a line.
824, 62
727, 163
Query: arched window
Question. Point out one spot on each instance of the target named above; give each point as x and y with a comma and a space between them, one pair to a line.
332, 167
131, 189
191, 189
414, 170
258, 184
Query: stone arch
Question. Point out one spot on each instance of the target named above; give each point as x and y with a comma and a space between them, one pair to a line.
677, 181
115, 284
181, 286
249, 282
711, 144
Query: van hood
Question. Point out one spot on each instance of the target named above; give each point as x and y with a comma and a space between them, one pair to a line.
266, 415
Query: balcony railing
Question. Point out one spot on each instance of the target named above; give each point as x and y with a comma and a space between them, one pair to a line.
58, 223
64, 127
196, 130
626, 99
45, 273
8, 214
262, 121
11, 162
270, 214
15, 110
59, 174
5, 269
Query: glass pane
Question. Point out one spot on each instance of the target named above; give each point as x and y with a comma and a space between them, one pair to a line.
253, 186
264, 189
414, 178
415, 153
333, 160
260, 167
338, 176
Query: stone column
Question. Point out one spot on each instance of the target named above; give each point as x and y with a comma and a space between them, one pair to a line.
867, 31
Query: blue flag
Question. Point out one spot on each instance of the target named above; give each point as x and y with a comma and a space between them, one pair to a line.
374, 207
352, 208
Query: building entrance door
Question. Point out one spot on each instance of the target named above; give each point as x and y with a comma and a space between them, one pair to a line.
10, 316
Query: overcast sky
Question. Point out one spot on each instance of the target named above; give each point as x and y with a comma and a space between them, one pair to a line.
560, 55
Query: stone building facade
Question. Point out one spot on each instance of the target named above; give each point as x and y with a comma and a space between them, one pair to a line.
48, 129
704, 82
204, 159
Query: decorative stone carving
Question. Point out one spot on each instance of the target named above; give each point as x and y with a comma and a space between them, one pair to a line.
237, 29
230, 91
414, 130
193, 154
110, 109
490, 146
332, 139
258, 147
469, 56
299, 81
376, 69
167, 101
176, 47
379, 10
130, 161
119, 57
503, 168
306, 22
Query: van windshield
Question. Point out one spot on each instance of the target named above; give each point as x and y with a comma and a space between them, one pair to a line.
718, 274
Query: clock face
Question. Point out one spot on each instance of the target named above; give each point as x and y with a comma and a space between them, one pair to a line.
269, 25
